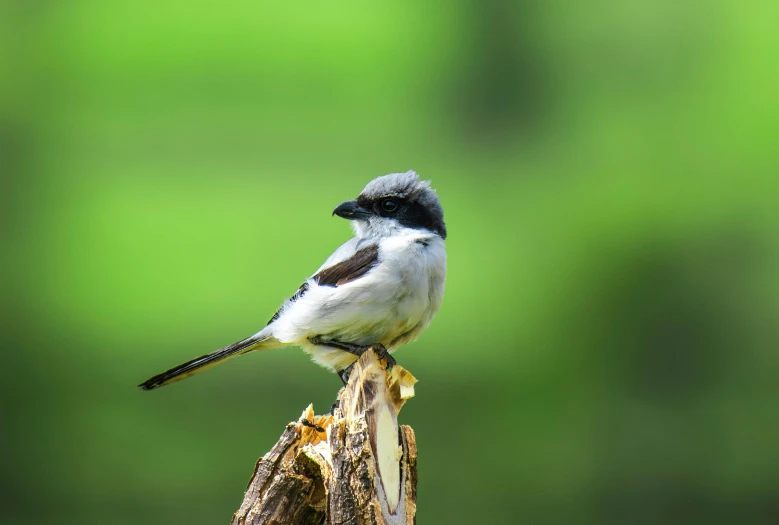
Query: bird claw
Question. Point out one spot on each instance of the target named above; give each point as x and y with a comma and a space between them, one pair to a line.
383, 353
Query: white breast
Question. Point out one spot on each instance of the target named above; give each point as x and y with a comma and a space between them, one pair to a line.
418, 264
392, 304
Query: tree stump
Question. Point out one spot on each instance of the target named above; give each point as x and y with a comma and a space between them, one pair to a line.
355, 466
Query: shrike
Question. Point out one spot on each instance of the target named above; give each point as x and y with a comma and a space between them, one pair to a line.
381, 289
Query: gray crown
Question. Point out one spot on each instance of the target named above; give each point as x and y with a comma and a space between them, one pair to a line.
406, 185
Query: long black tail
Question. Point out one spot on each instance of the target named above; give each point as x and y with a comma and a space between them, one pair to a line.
201, 363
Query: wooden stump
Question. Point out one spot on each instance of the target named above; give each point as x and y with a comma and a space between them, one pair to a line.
355, 466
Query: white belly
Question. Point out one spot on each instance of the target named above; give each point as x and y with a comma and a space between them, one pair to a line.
392, 304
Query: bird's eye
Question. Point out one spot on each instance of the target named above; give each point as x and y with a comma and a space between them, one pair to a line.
389, 205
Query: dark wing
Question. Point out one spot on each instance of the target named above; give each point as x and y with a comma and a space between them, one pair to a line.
339, 274
352, 268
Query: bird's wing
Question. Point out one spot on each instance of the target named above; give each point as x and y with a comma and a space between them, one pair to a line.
349, 269
346, 264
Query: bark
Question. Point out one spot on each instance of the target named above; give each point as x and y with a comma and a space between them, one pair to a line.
356, 466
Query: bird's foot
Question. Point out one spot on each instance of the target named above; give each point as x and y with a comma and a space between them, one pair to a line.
383, 353
358, 350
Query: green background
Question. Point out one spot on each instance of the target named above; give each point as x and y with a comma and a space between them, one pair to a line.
607, 347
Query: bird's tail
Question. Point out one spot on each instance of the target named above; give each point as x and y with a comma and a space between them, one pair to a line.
197, 365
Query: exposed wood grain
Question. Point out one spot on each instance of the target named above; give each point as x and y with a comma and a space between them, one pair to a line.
356, 466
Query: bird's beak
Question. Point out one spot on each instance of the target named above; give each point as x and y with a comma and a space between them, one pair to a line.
352, 211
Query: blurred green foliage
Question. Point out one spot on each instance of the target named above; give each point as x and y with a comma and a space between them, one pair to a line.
607, 348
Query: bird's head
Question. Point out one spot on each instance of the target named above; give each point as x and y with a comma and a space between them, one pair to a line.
393, 202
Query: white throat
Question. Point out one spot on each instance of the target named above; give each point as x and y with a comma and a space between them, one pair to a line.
374, 227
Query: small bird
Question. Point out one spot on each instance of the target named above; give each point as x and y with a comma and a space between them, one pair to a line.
380, 289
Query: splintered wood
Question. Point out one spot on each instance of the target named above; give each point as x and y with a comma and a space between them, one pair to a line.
355, 466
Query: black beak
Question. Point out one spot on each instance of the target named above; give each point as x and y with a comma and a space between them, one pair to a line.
352, 211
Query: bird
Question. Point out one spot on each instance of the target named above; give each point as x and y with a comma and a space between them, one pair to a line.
380, 289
